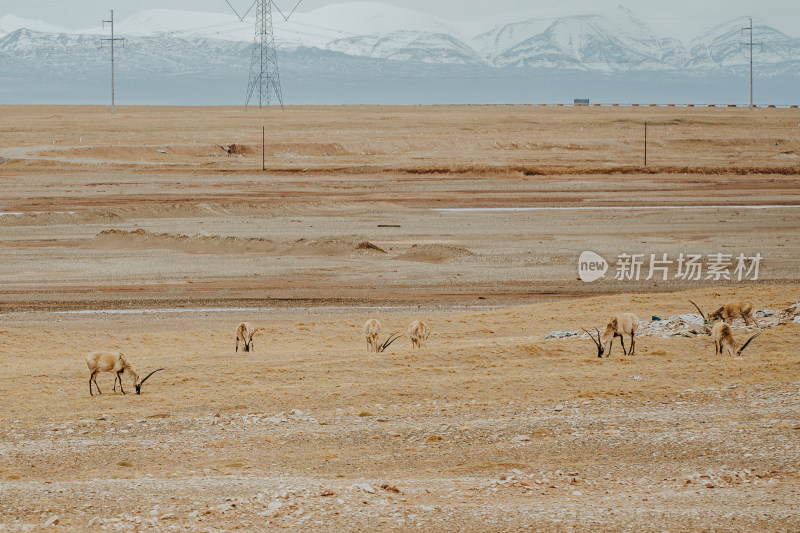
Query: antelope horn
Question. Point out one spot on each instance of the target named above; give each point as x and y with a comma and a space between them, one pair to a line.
148, 375
698, 308
389, 341
597, 342
748, 342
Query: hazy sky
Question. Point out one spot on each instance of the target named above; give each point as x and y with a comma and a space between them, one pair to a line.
663, 15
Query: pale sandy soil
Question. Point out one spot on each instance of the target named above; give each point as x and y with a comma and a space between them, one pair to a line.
490, 426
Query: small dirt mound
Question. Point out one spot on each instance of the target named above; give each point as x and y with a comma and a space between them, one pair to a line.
332, 246
239, 149
434, 253
366, 245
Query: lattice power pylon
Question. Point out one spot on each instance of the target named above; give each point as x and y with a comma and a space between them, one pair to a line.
264, 77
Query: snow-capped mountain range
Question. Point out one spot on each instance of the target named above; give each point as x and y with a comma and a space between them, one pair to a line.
342, 42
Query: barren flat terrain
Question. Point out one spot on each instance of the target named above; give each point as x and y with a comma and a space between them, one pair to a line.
155, 231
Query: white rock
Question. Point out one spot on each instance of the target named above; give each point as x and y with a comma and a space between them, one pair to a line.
53, 520
558, 407
521, 438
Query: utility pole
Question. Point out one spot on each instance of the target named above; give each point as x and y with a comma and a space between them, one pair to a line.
112, 39
751, 44
645, 143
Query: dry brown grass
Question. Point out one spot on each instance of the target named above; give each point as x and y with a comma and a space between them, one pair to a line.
492, 356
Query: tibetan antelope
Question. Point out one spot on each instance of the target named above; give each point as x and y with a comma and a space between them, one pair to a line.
372, 329
723, 338
418, 332
114, 362
622, 324
728, 312
244, 333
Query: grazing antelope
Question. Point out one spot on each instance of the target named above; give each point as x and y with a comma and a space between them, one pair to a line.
418, 331
371, 329
723, 338
728, 312
622, 324
244, 333
114, 362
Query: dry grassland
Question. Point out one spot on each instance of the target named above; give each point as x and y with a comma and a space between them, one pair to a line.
109, 243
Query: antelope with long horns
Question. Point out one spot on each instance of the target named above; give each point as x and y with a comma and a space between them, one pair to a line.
723, 338
617, 326
371, 329
244, 333
116, 363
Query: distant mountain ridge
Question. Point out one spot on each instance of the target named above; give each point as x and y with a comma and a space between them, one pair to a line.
382, 43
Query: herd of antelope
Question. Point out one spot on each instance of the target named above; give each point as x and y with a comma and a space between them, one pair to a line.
715, 324
418, 333
118, 364
721, 332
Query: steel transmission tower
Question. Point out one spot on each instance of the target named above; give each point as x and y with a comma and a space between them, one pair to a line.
264, 77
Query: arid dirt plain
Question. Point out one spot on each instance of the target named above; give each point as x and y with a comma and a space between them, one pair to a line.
155, 231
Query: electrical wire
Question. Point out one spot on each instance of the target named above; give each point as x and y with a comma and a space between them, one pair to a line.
241, 17
281, 12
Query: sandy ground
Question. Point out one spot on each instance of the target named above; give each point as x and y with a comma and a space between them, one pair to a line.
155, 232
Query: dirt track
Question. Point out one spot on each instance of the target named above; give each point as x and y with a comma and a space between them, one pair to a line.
489, 427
